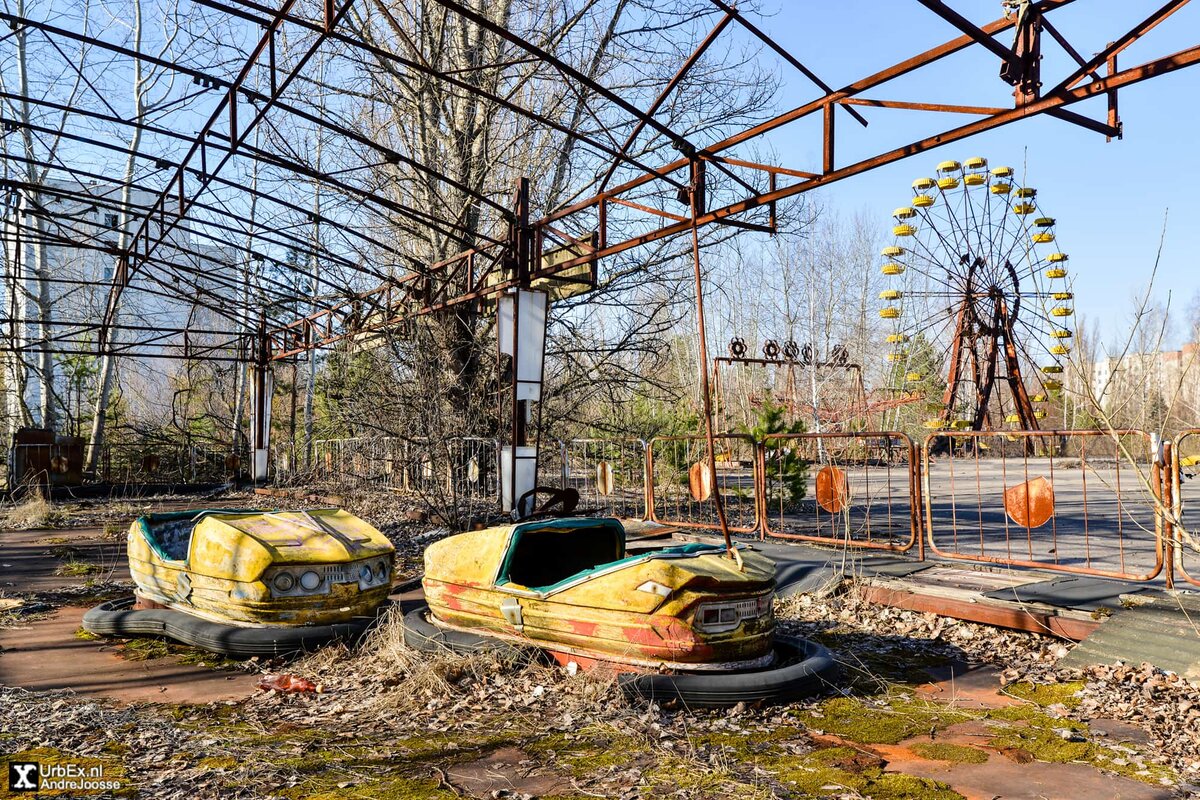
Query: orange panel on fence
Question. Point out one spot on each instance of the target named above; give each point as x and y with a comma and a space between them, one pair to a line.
1070, 501
1030, 504
854, 489
833, 491
683, 489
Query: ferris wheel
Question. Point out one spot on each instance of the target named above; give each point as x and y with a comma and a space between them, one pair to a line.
979, 299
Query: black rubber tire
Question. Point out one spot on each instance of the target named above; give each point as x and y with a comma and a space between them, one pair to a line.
424, 636
118, 618
804, 669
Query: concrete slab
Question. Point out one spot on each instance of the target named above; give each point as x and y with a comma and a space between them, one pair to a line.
30, 561
46, 655
966, 686
1001, 778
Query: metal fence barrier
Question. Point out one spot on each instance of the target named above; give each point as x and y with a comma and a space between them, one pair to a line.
1070, 501
459, 471
1079, 502
130, 463
609, 474
681, 484
1185, 504
841, 488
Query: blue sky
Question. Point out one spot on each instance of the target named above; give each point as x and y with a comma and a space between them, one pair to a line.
1110, 200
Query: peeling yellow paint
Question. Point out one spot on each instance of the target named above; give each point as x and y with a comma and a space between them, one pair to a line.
224, 574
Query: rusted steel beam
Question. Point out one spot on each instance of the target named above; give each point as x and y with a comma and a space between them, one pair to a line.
1114, 116
829, 132
1161, 66
783, 53
969, 28
1120, 44
1020, 618
891, 73
670, 86
1109, 131
915, 106
447, 77
74, 241
228, 102
263, 231
1180, 60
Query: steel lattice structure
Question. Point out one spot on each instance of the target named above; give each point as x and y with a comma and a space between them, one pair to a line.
259, 95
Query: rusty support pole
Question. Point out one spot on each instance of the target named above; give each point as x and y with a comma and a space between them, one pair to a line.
695, 193
260, 410
1167, 512
827, 163
1114, 116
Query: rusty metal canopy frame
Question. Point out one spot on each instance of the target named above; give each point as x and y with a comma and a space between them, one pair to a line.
198, 194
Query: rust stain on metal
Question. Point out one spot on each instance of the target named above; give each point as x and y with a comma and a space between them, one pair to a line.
833, 490
1030, 504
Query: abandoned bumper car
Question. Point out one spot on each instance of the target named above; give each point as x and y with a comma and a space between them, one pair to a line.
251, 582
684, 622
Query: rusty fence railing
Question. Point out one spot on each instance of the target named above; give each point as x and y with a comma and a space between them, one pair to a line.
609, 474
1082, 502
680, 483
1185, 504
462, 470
841, 488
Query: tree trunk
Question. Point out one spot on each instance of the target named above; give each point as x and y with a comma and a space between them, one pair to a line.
108, 360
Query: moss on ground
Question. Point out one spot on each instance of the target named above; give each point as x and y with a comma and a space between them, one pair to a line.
390, 787
833, 772
745, 764
952, 753
886, 721
591, 750
86, 635
146, 649
1061, 741
77, 569
1047, 694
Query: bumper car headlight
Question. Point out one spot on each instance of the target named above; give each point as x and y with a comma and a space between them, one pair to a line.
283, 582
725, 616
373, 573
310, 581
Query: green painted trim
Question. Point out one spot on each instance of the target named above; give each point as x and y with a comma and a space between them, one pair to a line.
683, 550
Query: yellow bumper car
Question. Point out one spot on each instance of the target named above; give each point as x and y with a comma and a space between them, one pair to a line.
251, 582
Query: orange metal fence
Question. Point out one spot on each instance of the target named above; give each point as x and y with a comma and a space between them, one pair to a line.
1082, 502
681, 485
1071, 501
1185, 503
609, 474
841, 488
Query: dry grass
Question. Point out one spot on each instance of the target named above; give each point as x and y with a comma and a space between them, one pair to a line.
34, 512
390, 675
